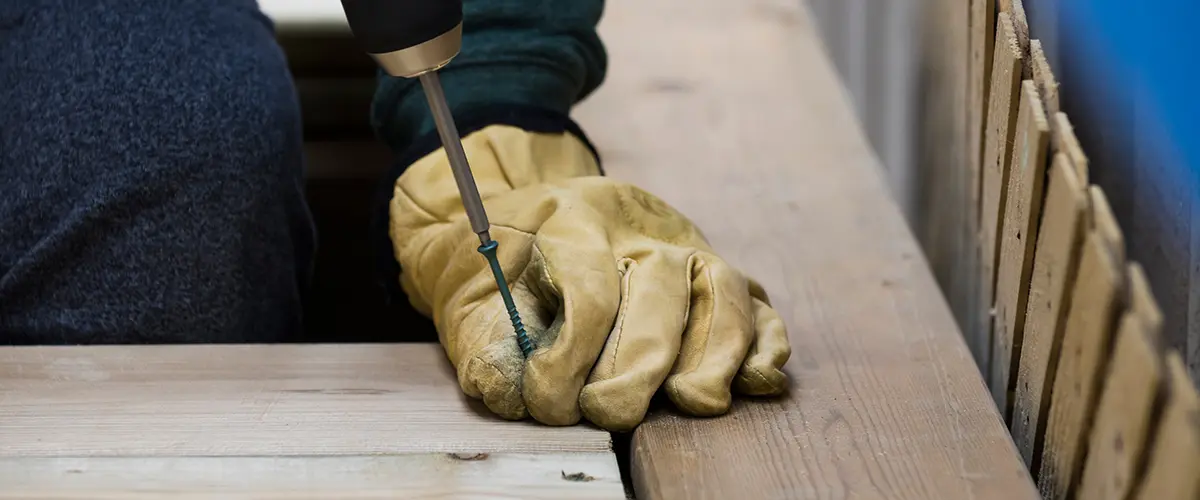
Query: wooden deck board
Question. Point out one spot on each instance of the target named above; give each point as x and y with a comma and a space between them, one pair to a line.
230, 419
750, 135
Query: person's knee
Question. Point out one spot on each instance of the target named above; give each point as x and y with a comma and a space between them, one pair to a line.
156, 163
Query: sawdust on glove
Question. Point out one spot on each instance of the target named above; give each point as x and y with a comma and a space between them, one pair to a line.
620, 293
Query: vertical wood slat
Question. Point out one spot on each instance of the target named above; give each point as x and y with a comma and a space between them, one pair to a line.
982, 35
1055, 262
1019, 234
1096, 301
1172, 459
1047, 87
1064, 140
1124, 413
1002, 111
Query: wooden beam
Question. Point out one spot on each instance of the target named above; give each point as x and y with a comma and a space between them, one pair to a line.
886, 401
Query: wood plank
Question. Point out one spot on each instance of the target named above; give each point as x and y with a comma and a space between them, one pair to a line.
1016, 12
1055, 262
1104, 223
1020, 232
1096, 302
1047, 87
549, 476
1127, 405
277, 400
1002, 115
886, 400
982, 38
1171, 465
1065, 141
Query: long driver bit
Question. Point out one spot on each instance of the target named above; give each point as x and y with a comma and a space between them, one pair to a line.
470, 197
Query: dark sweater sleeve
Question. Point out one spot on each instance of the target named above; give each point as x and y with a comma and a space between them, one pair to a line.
518, 58
523, 63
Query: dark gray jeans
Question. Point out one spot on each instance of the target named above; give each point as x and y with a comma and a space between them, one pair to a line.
151, 177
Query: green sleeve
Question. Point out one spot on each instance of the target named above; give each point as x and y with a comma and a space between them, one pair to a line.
533, 53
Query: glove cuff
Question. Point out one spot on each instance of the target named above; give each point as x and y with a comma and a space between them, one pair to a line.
531, 120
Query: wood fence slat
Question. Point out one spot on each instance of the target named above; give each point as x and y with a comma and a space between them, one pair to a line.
1095, 302
1171, 462
1105, 224
982, 38
1065, 141
1047, 87
1131, 391
1055, 262
1024, 205
1002, 115
1016, 11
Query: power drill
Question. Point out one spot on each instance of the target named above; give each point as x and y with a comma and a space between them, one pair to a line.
414, 39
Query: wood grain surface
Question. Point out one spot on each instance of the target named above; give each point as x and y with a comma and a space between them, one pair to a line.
1018, 236
1096, 302
1055, 262
419, 476
1003, 99
1171, 466
886, 401
259, 408
982, 22
1126, 407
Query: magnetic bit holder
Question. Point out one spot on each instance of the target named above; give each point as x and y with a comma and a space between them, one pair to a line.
489, 251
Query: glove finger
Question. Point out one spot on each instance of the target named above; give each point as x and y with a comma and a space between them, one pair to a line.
761, 374
577, 267
718, 335
643, 343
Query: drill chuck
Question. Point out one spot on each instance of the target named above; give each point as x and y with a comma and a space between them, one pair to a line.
407, 38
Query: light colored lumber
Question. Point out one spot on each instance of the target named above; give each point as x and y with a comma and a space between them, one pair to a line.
548, 476
1171, 467
278, 400
1024, 208
886, 401
1016, 12
1047, 87
1104, 223
981, 37
259, 408
1126, 407
1002, 115
1096, 301
1055, 262
1066, 142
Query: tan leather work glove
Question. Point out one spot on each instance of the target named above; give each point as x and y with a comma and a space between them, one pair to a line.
619, 292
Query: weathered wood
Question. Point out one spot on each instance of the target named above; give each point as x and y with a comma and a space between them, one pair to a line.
548, 476
1127, 405
1171, 463
1055, 262
982, 38
877, 360
1016, 11
1066, 142
1002, 115
1096, 301
1020, 232
1102, 221
942, 158
1047, 87
164, 406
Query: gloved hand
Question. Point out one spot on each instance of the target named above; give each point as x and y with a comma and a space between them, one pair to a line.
620, 293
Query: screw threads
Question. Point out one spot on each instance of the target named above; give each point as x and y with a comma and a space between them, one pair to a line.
523, 341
